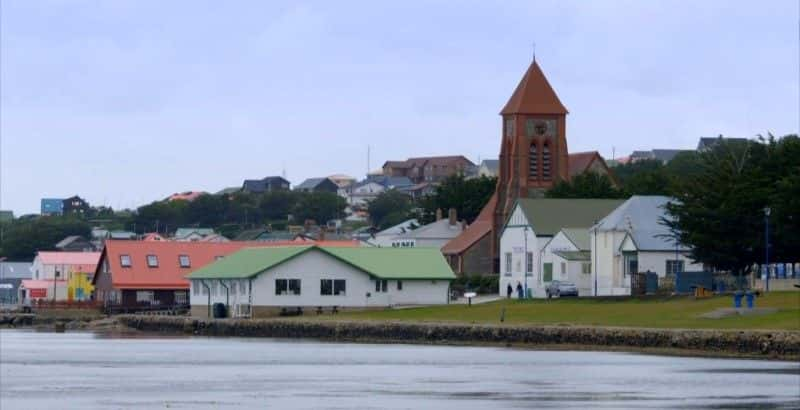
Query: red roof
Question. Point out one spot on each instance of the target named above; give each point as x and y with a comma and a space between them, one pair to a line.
169, 274
579, 162
534, 95
186, 196
77, 261
475, 232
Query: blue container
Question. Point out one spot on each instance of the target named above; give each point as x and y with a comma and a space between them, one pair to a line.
751, 297
737, 300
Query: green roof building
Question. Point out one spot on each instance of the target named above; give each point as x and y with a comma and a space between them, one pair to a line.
270, 280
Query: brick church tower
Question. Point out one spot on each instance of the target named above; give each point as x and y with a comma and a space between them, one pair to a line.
533, 152
533, 158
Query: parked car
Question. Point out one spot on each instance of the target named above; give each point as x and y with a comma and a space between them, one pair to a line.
559, 288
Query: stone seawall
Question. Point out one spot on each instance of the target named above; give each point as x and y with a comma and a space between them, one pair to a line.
763, 344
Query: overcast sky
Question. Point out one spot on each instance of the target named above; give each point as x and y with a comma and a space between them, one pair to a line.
126, 102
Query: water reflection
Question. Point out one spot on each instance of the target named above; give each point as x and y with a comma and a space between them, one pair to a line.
84, 370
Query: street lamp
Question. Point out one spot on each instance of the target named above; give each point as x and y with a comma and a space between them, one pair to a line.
767, 211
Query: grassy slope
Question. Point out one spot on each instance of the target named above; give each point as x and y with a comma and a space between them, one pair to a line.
676, 312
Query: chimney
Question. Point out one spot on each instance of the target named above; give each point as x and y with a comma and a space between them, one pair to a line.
438, 214
451, 214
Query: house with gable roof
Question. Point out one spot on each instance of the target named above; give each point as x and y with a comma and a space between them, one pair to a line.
632, 239
261, 282
533, 222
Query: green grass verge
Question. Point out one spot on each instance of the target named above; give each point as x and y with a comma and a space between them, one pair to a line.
668, 312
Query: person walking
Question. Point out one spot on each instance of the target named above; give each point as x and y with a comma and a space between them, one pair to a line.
519, 290
509, 291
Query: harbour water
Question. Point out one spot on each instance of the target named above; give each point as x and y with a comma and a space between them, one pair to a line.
95, 371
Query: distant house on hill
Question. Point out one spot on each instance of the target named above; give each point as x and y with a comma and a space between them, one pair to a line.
6, 216
428, 169
52, 206
706, 144
267, 184
188, 196
75, 205
75, 243
317, 185
590, 161
435, 234
662, 155
488, 168
192, 234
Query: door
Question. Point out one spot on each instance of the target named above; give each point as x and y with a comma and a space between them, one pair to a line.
548, 272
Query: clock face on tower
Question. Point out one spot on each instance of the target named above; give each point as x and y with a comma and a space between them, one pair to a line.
541, 127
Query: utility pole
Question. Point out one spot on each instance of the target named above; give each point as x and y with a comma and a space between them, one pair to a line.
767, 211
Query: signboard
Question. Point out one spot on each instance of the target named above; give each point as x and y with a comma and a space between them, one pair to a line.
37, 293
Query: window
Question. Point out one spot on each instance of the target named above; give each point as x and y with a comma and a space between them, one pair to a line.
125, 261
196, 288
294, 286
233, 288
204, 287
546, 161
184, 261
288, 287
674, 266
528, 263
339, 287
509, 127
508, 263
180, 297
144, 296
325, 287
631, 263
563, 268
152, 261
533, 161
218, 257
586, 268
399, 285
381, 285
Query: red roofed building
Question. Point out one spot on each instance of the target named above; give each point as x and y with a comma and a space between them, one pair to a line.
139, 275
428, 169
590, 161
51, 272
188, 196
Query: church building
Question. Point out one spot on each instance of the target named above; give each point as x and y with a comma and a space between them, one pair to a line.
533, 158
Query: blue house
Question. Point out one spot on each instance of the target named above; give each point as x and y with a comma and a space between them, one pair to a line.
52, 206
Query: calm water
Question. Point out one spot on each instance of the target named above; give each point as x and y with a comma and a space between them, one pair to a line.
87, 371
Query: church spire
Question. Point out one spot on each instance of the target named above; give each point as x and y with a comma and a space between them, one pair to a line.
534, 95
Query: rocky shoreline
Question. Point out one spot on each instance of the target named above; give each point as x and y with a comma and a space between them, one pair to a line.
776, 345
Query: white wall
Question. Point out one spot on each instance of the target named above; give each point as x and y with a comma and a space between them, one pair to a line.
513, 240
315, 265
609, 263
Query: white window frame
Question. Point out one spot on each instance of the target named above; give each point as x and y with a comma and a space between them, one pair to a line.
152, 261
122, 261
188, 263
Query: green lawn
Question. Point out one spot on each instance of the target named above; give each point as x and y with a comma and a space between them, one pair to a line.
669, 312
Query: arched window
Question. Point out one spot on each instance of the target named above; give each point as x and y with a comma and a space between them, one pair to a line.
546, 161
533, 162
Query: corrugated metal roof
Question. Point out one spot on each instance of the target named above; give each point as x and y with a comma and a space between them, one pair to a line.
640, 216
579, 237
384, 263
547, 216
574, 255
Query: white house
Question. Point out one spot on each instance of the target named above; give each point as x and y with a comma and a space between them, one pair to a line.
632, 239
567, 258
532, 224
361, 193
263, 281
433, 235
385, 237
